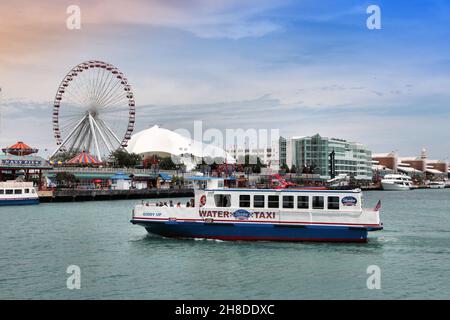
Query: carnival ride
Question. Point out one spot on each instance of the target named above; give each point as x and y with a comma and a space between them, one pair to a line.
93, 110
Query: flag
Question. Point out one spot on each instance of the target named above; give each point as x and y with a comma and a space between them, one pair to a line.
378, 206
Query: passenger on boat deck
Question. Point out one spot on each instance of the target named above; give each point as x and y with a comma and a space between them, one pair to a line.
192, 203
171, 203
188, 204
178, 205
165, 204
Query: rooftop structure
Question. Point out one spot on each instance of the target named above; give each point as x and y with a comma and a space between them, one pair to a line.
418, 165
350, 158
165, 143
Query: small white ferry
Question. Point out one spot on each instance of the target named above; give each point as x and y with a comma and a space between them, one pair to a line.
396, 182
436, 185
223, 213
17, 193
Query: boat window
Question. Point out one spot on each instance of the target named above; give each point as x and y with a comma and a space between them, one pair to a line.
9, 191
27, 190
333, 203
259, 201
32, 191
288, 202
222, 200
17, 191
274, 202
2, 191
317, 202
303, 202
244, 201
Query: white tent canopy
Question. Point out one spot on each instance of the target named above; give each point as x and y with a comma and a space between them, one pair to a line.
165, 143
408, 169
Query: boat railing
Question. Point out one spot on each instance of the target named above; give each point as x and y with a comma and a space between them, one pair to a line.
114, 170
156, 205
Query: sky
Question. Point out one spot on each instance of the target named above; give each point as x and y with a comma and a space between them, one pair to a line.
303, 67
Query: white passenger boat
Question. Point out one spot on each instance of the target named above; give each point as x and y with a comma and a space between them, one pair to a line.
263, 214
437, 184
396, 182
17, 193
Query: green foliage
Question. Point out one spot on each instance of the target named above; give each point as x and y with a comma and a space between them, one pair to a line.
121, 158
293, 169
65, 156
65, 179
250, 163
309, 169
285, 167
167, 164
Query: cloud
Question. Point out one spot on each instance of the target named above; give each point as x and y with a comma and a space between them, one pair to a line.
304, 66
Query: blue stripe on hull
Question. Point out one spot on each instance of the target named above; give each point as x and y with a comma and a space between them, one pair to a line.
18, 202
271, 232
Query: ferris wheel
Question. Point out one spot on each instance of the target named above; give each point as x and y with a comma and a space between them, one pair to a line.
94, 110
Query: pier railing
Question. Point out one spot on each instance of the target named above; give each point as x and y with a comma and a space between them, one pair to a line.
115, 170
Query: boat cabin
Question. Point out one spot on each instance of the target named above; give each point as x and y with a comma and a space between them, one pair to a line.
215, 195
13, 189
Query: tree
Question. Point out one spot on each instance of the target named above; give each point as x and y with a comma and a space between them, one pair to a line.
65, 156
293, 169
309, 169
65, 179
285, 167
255, 167
166, 163
208, 164
122, 158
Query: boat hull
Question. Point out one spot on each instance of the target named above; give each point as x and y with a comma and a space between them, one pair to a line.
19, 202
438, 186
256, 232
394, 187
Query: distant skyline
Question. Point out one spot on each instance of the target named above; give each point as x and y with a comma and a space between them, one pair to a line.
304, 67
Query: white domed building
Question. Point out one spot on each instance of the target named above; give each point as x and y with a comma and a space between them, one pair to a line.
166, 143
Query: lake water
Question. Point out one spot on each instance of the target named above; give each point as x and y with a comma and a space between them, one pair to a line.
121, 261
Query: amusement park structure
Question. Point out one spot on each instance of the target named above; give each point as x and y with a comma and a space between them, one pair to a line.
94, 110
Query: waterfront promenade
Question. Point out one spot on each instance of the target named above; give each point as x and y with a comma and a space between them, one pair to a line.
72, 195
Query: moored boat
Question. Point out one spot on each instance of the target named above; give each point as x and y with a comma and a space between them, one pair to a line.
263, 214
436, 185
17, 193
396, 182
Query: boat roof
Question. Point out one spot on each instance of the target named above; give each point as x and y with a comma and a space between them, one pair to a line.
285, 190
203, 178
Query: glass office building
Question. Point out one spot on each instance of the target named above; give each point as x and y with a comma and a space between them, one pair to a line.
351, 158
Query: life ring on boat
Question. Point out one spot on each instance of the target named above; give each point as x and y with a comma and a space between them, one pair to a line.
202, 200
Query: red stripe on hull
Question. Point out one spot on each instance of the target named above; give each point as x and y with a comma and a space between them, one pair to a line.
259, 221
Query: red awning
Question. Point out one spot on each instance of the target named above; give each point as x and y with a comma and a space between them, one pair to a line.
20, 149
84, 158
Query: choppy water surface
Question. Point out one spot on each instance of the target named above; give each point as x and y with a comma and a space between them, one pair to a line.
119, 260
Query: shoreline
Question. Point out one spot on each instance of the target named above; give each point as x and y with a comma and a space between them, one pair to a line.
77, 195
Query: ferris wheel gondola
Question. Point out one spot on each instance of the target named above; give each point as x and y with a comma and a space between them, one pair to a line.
93, 110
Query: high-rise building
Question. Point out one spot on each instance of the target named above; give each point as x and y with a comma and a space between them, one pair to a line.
350, 158
282, 150
268, 155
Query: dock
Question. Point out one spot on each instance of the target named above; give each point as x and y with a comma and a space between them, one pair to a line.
74, 195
